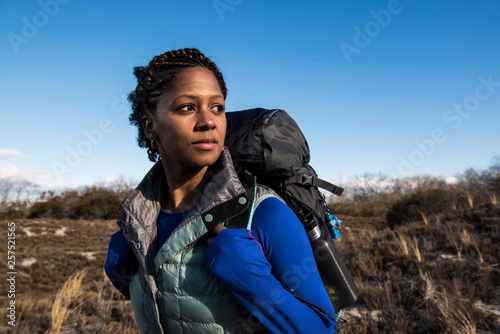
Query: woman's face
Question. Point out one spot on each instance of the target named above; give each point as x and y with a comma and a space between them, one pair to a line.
190, 120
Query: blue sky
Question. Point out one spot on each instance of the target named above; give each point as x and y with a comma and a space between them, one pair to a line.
398, 87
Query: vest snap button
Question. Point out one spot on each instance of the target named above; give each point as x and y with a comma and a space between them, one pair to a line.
209, 218
242, 200
137, 245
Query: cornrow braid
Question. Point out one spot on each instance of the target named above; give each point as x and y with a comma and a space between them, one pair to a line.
155, 78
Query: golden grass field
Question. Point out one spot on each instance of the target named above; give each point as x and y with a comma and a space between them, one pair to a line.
434, 275
49, 297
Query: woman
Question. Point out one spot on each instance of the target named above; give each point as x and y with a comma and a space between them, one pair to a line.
182, 269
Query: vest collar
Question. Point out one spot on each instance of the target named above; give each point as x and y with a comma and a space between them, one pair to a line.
222, 197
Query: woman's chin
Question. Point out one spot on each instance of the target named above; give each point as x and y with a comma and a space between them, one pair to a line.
206, 158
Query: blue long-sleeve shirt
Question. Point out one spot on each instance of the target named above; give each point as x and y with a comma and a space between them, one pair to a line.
260, 267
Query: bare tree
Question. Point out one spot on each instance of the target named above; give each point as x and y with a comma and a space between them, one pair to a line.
15, 196
6, 187
122, 187
369, 188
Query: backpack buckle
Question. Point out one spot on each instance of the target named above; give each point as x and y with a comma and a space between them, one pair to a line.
307, 179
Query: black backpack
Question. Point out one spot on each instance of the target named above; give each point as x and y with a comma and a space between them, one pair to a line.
269, 145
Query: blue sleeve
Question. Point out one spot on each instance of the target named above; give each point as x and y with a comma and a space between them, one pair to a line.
120, 262
260, 271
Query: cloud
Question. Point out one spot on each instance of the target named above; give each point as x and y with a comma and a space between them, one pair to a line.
9, 169
8, 164
371, 181
9, 153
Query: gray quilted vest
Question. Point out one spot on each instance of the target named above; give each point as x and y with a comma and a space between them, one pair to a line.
174, 290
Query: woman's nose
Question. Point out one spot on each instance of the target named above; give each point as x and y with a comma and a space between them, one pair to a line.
206, 120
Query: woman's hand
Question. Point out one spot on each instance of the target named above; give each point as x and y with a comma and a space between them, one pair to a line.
234, 255
217, 229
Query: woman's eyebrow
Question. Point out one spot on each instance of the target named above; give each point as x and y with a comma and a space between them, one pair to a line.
195, 97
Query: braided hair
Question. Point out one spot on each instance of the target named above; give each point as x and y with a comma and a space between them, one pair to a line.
157, 77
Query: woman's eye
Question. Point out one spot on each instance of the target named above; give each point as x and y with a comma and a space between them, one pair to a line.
186, 108
218, 109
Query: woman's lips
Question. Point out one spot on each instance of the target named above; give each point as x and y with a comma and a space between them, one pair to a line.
205, 144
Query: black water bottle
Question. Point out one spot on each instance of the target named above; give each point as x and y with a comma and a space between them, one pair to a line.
330, 264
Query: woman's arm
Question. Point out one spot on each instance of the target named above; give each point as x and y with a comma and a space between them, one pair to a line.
262, 271
120, 262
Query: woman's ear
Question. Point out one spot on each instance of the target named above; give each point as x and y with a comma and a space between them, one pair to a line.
148, 126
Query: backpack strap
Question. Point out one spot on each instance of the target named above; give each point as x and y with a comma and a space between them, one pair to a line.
316, 182
320, 183
255, 205
249, 181
256, 194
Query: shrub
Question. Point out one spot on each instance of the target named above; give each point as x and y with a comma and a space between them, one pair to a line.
14, 210
88, 203
421, 204
96, 203
51, 208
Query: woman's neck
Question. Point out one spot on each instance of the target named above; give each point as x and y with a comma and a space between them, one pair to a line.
185, 189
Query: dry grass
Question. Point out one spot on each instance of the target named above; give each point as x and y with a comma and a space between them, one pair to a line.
63, 289
436, 277
61, 308
457, 318
493, 199
470, 199
416, 250
424, 218
403, 244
